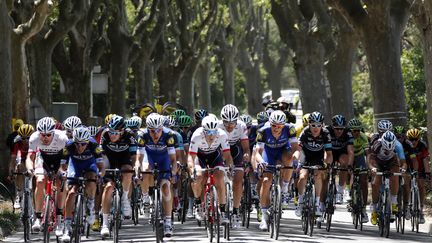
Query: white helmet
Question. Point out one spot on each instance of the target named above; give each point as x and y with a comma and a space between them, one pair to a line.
282, 100
229, 113
209, 123
246, 119
155, 121
71, 123
81, 134
93, 130
277, 117
384, 125
134, 122
388, 141
46, 125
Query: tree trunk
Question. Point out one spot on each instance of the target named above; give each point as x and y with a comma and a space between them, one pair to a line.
203, 76
383, 54
228, 67
187, 90
309, 68
119, 71
5, 86
253, 90
20, 79
339, 70
143, 74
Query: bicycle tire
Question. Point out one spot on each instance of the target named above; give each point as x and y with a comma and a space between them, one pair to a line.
387, 215
216, 215
311, 217
278, 211
185, 200
77, 219
136, 197
117, 216
330, 206
304, 220
26, 216
416, 211
381, 216
229, 202
247, 202
209, 209
46, 218
159, 219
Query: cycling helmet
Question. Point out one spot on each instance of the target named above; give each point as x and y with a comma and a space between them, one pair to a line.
134, 122
269, 111
71, 123
200, 114
45, 125
388, 141
277, 117
384, 125
25, 130
246, 119
338, 121
178, 113
93, 130
355, 124
413, 133
17, 123
171, 121
399, 130
282, 100
108, 118
210, 123
116, 122
81, 134
229, 113
305, 119
262, 117
184, 121
155, 121
316, 117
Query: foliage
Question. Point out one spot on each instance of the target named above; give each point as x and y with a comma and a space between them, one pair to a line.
362, 98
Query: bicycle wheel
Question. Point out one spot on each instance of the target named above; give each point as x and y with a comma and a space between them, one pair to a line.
278, 211
416, 210
311, 216
26, 216
387, 215
271, 211
78, 219
381, 213
216, 215
304, 217
360, 207
184, 200
330, 206
117, 216
136, 197
228, 210
46, 218
158, 217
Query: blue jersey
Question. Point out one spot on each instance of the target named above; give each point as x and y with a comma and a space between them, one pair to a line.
84, 162
274, 147
400, 150
252, 136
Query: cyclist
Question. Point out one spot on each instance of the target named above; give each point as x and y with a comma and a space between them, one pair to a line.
17, 162
98, 136
84, 158
70, 124
361, 149
285, 106
120, 147
238, 140
421, 164
383, 158
343, 153
159, 144
209, 147
273, 146
16, 123
98, 198
316, 150
45, 154
184, 122
304, 124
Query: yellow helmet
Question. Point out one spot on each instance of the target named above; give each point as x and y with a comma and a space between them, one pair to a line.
16, 123
25, 130
108, 118
413, 133
305, 119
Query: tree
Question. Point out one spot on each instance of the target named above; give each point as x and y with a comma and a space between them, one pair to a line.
29, 18
380, 25
306, 29
5, 85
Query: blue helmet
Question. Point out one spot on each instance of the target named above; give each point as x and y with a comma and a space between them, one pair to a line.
116, 123
338, 121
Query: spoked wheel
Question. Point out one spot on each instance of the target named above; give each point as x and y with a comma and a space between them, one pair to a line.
228, 208
213, 216
46, 219
77, 220
26, 216
305, 222
117, 215
277, 211
330, 207
184, 201
159, 231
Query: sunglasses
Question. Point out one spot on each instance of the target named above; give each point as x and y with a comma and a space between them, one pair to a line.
81, 143
157, 130
339, 128
46, 135
210, 132
314, 125
277, 125
113, 132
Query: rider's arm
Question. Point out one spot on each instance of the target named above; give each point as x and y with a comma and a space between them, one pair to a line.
245, 144
226, 152
328, 158
350, 149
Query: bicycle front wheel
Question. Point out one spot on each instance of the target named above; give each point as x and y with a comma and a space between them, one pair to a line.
388, 212
311, 216
330, 206
117, 216
46, 219
77, 219
158, 217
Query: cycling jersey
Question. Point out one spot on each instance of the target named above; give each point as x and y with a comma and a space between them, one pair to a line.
384, 160
410, 155
158, 152
209, 154
185, 138
299, 129
120, 152
21, 147
84, 162
340, 144
179, 140
274, 147
314, 147
238, 134
399, 148
361, 144
48, 157
421, 152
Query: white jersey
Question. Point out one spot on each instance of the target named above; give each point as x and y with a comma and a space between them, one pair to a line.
198, 142
240, 132
55, 147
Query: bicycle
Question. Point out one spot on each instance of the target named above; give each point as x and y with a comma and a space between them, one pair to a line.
356, 205
384, 203
229, 205
79, 223
156, 218
275, 209
115, 222
49, 216
246, 200
400, 215
308, 212
136, 202
415, 202
27, 210
184, 200
210, 205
